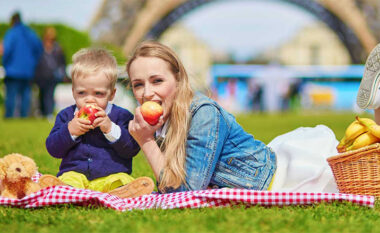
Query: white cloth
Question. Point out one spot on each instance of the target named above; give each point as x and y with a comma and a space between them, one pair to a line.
301, 160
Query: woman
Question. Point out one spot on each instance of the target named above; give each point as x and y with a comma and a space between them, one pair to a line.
50, 71
196, 143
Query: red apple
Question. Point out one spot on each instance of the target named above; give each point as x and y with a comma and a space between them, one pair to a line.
151, 112
88, 112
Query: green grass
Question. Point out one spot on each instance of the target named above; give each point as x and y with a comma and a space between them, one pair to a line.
28, 137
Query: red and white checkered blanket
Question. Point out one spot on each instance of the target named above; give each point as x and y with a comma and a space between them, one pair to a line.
192, 199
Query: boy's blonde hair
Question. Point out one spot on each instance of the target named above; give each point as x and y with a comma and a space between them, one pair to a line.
89, 61
174, 144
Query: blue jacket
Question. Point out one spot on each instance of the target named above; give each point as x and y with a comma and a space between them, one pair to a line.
220, 153
22, 50
92, 154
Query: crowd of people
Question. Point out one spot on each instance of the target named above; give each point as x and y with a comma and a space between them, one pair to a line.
27, 59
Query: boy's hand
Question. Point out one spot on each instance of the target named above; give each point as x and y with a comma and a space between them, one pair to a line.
102, 121
78, 126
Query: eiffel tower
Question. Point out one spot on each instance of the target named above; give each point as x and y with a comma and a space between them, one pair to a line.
127, 22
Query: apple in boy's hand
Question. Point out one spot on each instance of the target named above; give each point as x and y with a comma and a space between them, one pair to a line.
151, 112
88, 112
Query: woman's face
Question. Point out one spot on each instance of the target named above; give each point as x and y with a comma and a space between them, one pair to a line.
152, 80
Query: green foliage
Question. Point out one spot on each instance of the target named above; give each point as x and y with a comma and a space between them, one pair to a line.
267, 126
68, 38
3, 28
28, 137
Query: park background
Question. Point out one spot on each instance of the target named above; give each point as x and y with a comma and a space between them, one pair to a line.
251, 55
233, 50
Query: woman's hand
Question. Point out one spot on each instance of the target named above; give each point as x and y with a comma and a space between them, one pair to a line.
141, 131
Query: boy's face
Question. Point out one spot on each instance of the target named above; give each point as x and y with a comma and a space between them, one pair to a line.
93, 89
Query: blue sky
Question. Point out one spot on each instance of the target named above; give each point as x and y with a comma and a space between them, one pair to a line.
243, 27
75, 13
246, 27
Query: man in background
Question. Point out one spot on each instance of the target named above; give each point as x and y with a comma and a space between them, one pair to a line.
22, 50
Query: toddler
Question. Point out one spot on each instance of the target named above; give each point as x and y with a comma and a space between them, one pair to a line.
98, 155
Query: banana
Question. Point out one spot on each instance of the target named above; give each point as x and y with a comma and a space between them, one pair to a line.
342, 145
365, 121
352, 132
364, 139
371, 126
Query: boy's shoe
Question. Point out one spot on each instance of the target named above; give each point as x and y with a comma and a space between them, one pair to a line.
49, 180
368, 95
140, 186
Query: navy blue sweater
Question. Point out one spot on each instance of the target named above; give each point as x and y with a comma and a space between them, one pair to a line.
92, 154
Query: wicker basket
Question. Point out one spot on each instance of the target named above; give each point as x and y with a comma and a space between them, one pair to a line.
358, 171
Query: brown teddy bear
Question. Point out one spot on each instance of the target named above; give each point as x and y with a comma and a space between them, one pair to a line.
16, 171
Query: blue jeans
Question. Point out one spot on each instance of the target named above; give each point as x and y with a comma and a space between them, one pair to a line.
17, 89
46, 98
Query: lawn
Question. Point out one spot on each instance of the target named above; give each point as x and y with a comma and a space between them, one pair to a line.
28, 137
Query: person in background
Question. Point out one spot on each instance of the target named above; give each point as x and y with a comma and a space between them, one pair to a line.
50, 71
22, 50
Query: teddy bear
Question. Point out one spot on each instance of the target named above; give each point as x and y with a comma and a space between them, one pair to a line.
16, 171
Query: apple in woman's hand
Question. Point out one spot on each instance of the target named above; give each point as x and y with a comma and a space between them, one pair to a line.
151, 112
88, 112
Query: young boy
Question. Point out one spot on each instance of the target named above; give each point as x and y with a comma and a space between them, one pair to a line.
98, 155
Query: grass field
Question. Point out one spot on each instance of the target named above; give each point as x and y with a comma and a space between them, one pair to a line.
28, 137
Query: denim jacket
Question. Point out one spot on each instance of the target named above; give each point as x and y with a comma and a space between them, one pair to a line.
220, 153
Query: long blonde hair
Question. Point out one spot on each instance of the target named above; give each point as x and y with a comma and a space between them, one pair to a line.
174, 145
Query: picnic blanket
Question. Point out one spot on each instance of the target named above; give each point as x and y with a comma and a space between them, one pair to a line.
191, 199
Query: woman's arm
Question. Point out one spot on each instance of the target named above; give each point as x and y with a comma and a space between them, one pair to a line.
205, 142
154, 156
143, 133
204, 145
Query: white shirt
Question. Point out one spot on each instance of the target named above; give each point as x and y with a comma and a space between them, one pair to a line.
161, 132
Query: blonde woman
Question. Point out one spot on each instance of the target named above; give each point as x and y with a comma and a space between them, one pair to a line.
196, 143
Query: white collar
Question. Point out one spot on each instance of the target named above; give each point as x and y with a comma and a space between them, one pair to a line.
161, 132
108, 109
